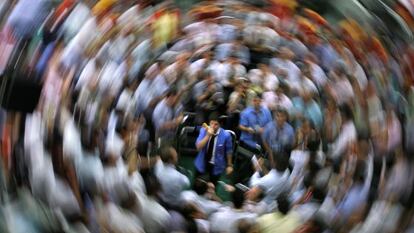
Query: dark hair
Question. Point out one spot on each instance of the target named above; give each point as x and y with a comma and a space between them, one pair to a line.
172, 92
167, 154
346, 112
214, 116
152, 184
244, 225
200, 186
238, 198
283, 203
282, 110
258, 94
319, 193
281, 158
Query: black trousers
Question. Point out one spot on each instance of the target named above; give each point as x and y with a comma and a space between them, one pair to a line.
208, 175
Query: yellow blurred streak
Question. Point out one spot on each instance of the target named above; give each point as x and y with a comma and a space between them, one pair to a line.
102, 6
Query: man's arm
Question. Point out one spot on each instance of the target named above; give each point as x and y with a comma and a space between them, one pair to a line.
244, 123
203, 138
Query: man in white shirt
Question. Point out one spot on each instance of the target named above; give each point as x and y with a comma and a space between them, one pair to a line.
226, 219
276, 99
284, 62
273, 183
172, 181
271, 82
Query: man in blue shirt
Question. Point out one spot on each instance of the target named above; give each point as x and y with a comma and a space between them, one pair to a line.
278, 135
252, 122
215, 148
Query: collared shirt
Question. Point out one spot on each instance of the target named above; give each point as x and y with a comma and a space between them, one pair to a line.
172, 182
140, 55
272, 184
223, 148
221, 72
207, 206
272, 101
162, 114
279, 138
250, 118
226, 220
148, 90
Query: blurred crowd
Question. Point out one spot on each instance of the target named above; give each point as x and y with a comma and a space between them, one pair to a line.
308, 125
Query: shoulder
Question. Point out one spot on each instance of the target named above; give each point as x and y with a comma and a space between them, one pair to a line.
269, 126
246, 111
225, 133
160, 106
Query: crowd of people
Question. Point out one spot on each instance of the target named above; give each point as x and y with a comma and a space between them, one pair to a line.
311, 124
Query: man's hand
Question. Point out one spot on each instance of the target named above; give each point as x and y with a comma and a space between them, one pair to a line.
251, 130
229, 170
210, 131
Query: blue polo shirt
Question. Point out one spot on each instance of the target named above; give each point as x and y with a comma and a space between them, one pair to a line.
279, 138
250, 118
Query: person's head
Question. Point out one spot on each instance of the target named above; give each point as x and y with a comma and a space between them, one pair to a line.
346, 113
169, 155
286, 54
281, 116
237, 198
263, 67
172, 97
257, 101
214, 122
247, 226
200, 186
283, 203
281, 159
207, 55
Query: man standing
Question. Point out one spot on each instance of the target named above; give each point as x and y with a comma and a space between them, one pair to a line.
167, 116
215, 148
252, 122
279, 136
171, 180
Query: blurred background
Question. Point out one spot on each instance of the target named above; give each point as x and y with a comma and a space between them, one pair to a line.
206, 116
